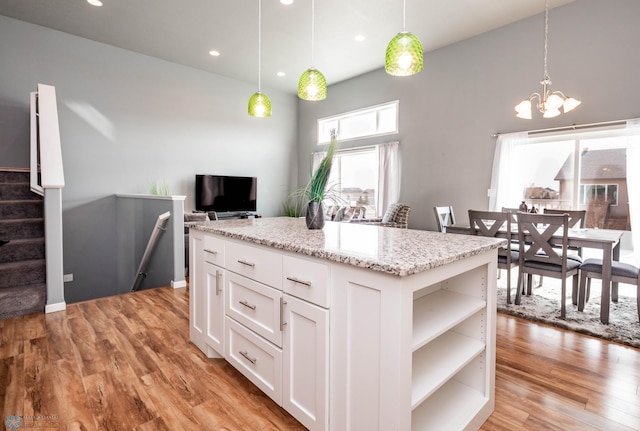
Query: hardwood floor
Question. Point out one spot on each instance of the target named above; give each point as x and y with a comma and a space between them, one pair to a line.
125, 363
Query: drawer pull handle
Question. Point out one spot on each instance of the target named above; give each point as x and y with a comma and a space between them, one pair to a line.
218, 275
247, 263
246, 304
282, 314
248, 358
295, 280
210, 251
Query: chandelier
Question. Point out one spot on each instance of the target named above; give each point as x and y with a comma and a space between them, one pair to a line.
548, 102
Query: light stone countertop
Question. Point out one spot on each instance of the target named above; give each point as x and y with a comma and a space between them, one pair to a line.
394, 251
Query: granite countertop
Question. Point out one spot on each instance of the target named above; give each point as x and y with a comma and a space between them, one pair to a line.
394, 251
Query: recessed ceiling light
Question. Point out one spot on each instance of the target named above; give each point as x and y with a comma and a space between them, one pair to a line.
359, 38
286, 2
94, 2
281, 74
214, 53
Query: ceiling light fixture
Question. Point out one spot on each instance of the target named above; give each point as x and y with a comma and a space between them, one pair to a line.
404, 55
286, 2
549, 102
259, 103
312, 84
214, 53
94, 2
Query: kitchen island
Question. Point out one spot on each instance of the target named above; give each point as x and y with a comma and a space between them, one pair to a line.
352, 327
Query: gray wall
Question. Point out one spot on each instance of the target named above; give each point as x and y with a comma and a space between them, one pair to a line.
127, 119
467, 92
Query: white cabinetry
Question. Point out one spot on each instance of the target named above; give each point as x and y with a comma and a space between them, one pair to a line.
414, 353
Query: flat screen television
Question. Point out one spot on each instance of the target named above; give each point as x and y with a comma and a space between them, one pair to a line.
225, 193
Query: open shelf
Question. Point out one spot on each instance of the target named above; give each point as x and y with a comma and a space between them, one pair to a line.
436, 313
440, 360
451, 407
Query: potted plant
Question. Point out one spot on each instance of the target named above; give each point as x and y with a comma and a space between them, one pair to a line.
316, 190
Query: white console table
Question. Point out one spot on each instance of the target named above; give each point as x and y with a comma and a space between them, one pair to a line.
352, 327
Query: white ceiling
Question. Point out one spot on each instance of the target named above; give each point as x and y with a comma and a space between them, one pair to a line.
184, 31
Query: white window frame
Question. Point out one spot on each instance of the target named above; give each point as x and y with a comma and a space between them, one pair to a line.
323, 139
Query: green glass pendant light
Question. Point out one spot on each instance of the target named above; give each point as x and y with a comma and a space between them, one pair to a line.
312, 84
404, 55
259, 103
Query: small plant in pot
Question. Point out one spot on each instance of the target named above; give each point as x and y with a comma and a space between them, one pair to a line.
316, 191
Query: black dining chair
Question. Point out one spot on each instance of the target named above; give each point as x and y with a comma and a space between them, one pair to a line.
490, 224
620, 273
543, 251
444, 217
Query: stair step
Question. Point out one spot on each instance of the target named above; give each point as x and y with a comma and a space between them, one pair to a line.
21, 209
21, 228
17, 191
14, 177
22, 273
21, 300
22, 249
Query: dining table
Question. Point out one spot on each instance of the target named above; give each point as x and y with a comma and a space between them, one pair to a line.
602, 239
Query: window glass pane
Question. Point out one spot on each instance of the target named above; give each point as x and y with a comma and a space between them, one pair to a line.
324, 130
359, 125
354, 178
612, 193
387, 120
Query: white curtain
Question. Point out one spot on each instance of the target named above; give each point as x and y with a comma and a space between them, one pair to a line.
388, 176
633, 183
507, 183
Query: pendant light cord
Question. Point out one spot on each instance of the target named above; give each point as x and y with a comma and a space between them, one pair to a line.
404, 15
313, 20
259, 42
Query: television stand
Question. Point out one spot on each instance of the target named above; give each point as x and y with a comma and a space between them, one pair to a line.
230, 215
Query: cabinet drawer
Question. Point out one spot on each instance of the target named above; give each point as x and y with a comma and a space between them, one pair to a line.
255, 305
254, 262
255, 358
306, 279
214, 250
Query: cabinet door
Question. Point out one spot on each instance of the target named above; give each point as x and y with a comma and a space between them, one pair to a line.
214, 281
306, 363
197, 292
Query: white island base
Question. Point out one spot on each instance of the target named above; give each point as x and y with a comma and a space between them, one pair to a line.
344, 341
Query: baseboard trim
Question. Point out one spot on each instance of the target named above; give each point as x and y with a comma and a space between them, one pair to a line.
178, 284
52, 308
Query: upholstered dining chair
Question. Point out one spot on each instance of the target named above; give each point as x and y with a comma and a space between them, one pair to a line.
489, 224
620, 272
541, 254
444, 217
397, 215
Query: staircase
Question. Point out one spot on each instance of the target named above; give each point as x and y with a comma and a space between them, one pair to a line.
22, 259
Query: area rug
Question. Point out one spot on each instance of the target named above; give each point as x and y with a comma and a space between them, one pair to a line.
544, 306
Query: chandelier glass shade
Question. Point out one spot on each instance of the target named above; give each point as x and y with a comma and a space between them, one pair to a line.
259, 103
548, 102
312, 85
404, 56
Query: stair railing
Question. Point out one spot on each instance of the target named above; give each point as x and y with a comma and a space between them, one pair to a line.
47, 179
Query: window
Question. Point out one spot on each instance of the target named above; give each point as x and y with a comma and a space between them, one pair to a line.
354, 177
373, 121
585, 170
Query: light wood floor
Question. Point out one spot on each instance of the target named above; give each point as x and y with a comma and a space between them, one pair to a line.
125, 363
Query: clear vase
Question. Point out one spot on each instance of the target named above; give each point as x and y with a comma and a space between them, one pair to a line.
315, 215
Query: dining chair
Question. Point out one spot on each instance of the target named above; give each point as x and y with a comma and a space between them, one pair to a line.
444, 217
541, 254
620, 272
489, 224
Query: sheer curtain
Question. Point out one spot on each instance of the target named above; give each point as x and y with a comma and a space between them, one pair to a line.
507, 184
388, 176
633, 183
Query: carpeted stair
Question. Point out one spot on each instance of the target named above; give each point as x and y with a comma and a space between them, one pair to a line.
22, 259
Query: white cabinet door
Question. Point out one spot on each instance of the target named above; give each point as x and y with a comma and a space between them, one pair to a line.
197, 292
214, 285
306, 363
